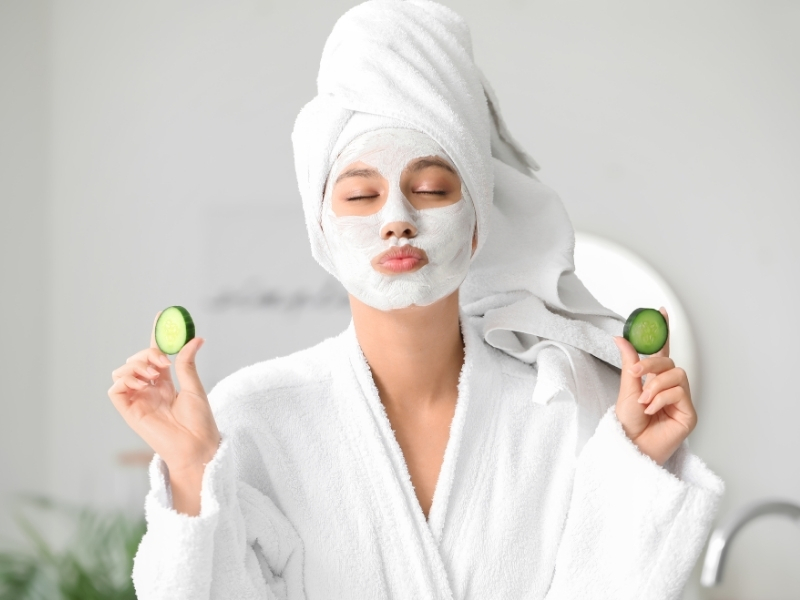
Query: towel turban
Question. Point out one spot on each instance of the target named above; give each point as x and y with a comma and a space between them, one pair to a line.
409, 63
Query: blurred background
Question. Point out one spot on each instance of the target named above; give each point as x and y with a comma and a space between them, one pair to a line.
146, 161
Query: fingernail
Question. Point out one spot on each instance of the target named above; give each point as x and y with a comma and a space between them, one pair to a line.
151, 372
644, 398
650, 410
635, 370
165, 361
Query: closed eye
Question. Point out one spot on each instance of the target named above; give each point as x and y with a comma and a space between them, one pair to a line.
363, 197
437, 192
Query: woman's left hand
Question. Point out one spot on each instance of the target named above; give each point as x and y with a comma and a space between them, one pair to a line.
659, 415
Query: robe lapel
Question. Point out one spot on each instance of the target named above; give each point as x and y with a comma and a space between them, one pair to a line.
468, 428
470, 444
406, 538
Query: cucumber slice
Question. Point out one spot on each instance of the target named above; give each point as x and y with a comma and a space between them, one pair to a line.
174, 328
647, 330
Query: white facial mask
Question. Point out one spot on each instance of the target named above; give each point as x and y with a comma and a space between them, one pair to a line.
444, 233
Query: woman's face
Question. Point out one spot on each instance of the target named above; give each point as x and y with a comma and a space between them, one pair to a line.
398, 223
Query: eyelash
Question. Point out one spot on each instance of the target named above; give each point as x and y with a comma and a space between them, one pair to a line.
437, 193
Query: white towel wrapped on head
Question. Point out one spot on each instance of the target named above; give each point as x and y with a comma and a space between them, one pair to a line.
409, 63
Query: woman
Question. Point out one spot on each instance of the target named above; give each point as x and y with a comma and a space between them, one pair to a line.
471, 434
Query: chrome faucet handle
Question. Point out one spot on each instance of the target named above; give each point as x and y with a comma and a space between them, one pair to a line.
721, 538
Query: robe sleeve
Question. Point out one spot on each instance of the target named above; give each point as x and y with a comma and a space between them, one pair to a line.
239, 546
634, 529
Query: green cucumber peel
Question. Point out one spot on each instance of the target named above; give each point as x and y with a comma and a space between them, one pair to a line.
647, 330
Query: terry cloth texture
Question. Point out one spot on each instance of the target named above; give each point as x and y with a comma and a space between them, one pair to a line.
309, 495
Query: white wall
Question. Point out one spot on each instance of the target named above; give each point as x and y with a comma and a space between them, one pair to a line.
24, 250
674, 128
671, 128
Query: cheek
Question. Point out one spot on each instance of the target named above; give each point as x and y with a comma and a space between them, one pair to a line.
448, 230
352, 235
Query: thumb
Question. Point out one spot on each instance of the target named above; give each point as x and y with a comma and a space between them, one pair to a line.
629, 384
186, 367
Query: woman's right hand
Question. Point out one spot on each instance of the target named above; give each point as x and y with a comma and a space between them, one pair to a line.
179, 426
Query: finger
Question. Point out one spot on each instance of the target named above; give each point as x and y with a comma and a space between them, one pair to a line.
118, 393
673, 378
126, 384
665, 350
152, 355
121, 394
630, 384
144, 370
135, 366
186, 367
652, 364
158, 359
673, 395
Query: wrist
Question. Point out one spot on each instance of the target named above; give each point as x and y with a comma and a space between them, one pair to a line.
186, 484
660, 453
191, 463
638, 436
186, 480
186, 488
189, 474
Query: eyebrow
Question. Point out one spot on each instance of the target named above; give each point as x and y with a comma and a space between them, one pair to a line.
369, 173
417, 165
433, 161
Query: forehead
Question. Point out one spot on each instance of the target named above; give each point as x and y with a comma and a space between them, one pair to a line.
389, 151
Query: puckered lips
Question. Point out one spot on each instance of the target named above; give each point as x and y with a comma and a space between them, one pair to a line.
400, 259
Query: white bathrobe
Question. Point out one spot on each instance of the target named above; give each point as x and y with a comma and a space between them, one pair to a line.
309, 495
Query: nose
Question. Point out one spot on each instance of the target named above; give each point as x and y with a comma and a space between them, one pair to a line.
398, 229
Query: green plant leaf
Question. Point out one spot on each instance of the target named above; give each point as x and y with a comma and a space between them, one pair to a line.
95, 564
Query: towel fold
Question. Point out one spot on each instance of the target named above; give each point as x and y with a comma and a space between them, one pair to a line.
409, 63
309, 495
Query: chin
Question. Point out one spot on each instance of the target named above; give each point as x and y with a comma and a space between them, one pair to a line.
409, 305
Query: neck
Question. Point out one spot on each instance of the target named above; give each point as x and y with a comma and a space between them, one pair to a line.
415, 353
